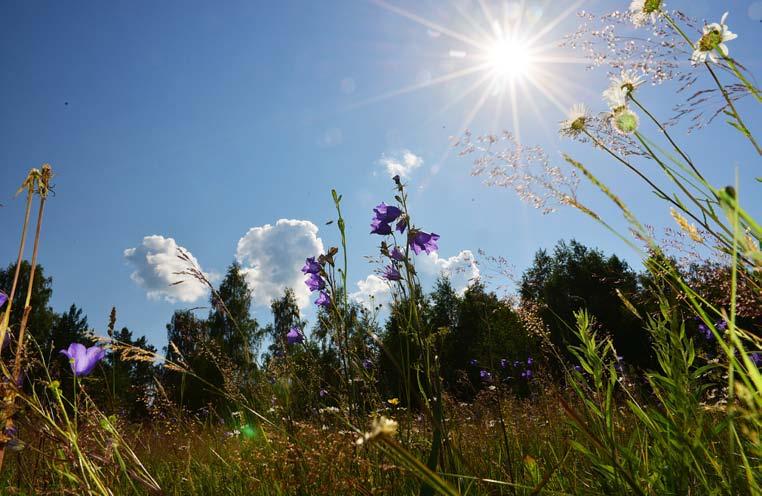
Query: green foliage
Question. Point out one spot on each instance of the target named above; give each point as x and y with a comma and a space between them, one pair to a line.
576, 277
41, 317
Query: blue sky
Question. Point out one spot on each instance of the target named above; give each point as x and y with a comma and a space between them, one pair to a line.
199, 121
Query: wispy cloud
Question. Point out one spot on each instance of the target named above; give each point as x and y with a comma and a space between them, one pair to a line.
402, 164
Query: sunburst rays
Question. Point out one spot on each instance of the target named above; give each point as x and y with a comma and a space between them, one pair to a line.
503, 49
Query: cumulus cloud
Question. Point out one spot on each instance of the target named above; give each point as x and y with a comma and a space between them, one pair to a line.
156, 266
401, 165
272, 257
462, 270
372, 292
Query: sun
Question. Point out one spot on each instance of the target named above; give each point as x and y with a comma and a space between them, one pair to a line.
503, 52
509, 59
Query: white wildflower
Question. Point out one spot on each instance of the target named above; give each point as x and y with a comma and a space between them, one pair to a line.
621, 86
381, 427
714, 38
575, 121
643, 11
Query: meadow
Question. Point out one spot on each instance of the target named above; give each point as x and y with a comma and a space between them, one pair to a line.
593, 378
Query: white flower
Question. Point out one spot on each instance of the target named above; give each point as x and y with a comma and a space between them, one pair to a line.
643, 11
624, 120
575, 121
620, 87
381, 427
714, 38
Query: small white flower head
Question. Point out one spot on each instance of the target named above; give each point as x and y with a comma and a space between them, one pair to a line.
382, 427
644, 11
621, 86
575, 121
714, 38
624, 120
616, 98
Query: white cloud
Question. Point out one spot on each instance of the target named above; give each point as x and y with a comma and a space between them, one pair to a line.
156, 265
462, 269
372, 292
272, 257
402, 165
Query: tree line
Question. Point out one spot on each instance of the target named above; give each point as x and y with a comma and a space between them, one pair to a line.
481, 338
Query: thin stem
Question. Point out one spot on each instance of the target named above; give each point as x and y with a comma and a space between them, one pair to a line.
666, 135
655, 187
680, 185
27, 302
736, 115
7, 315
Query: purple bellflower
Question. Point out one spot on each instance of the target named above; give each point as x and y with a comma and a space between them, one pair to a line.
294, 336
422, 241
391, 274
311, 266
314, 282
401, 225
3, 299
396, 254
387, 213
704, 329
485, 375
473, 362
503, 363
83, 360
756, 357
323, 300
380, 227
367, 364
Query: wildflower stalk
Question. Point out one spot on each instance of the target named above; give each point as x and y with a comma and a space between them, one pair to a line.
29, 185
344, 310
40, 180
28, 299
739, 124
429, 382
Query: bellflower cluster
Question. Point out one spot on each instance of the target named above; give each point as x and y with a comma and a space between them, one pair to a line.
705, 331
527, 373
313, 270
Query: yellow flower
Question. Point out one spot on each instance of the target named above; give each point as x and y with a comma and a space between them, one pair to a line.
393, 401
